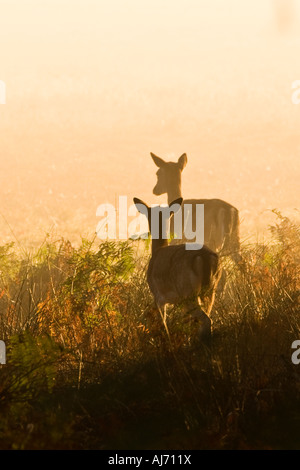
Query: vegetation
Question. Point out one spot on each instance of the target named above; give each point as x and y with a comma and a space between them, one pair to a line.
89, 365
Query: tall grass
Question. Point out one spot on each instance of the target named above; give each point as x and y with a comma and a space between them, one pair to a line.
89, 364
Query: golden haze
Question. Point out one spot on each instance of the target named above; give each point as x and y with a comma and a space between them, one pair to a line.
94, 86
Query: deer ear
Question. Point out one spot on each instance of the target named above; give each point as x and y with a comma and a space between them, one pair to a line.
182, 161
177, 203
157, 160
141, 206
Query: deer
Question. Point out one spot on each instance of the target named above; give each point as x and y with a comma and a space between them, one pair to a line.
221, 219
177, 276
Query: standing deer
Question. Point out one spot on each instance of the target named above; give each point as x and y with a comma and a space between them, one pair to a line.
179, 276
221, 220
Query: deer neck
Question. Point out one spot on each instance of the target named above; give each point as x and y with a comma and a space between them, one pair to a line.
156, 244
174, 192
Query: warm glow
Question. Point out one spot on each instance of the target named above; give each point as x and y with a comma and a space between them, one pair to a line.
92, 87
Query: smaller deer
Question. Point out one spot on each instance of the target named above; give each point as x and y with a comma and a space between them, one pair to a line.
179, 276
221, 219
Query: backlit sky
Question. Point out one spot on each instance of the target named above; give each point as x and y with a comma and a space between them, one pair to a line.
93, 86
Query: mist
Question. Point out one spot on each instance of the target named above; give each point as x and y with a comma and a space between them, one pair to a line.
93, 87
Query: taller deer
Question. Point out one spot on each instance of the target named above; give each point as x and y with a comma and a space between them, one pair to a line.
221, 219
179, 276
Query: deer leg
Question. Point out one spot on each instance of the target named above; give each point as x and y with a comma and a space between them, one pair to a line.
152, 315
199, 319
204, 329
